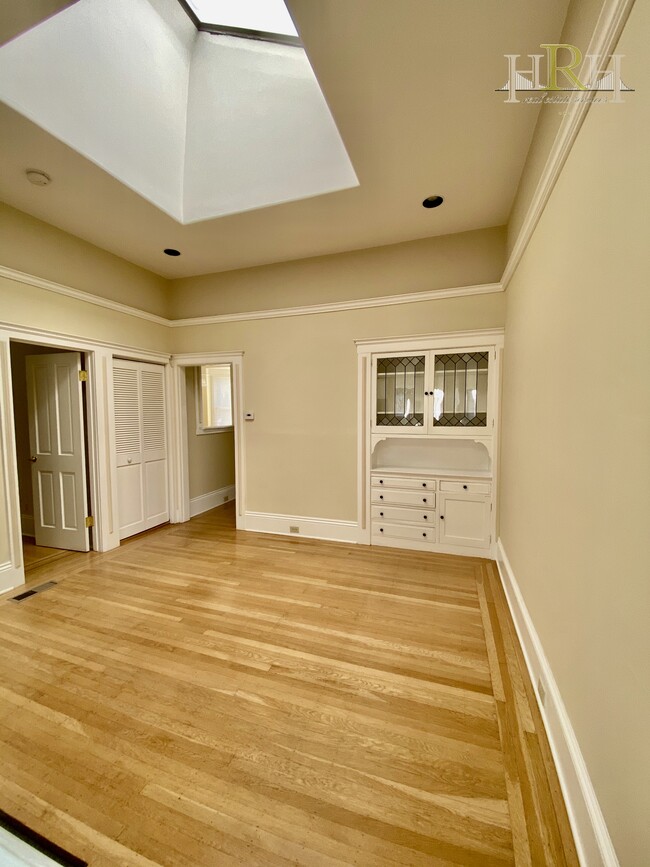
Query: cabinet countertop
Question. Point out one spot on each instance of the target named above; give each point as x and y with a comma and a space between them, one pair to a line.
433, 471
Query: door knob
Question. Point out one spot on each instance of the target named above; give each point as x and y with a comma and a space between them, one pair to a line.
33, 459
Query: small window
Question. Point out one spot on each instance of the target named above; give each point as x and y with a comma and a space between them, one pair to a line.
214, 398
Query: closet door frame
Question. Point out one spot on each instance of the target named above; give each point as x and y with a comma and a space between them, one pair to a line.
178, 454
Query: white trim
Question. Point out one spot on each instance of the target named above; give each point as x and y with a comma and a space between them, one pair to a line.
441, 340
29, 334
205, 502
339, 306
280, 312
310, 528
79, 295
595, 848
178, 434
612, 18
12, 572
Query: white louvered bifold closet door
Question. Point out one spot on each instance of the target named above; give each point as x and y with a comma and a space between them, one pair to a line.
141, 445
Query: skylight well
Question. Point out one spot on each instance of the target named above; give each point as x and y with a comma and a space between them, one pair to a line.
254, 19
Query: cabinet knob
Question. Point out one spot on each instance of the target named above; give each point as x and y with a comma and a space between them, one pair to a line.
381, 529
424, 534
425, 517
424, 484
424, 499
442, 517
381, 514
381, 481
381, 496
464, 487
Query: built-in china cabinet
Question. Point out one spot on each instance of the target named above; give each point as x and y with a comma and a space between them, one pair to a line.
428, 422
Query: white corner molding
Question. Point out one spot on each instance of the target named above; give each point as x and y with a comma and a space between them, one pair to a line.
340, 306
595, 848
308, 528
205, 502
608, 29
79, 295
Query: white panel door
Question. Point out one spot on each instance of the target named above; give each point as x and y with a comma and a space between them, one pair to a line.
58, 454
141, 446
464, 520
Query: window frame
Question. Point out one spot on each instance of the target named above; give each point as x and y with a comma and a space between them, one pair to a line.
198, 403
243, 32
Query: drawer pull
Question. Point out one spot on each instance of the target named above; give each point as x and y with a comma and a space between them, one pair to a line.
424, 499
381, 529
464, 487
425, 517
381, 496
424, 484
442, 517
381, 514
381, 481
424, 534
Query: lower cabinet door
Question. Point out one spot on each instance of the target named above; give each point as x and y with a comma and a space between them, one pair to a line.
464, 520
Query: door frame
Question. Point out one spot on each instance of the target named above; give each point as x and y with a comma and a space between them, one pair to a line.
100, 426
179, 456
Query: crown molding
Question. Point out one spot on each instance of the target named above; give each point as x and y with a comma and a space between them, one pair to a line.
608, 29
79, 295
339, 306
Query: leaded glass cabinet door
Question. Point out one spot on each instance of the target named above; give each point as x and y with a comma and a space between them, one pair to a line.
399, 393
460, 390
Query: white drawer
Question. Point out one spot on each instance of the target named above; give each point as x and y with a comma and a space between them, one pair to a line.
403, 531
395, 513
467, 487
403, 498
403, 482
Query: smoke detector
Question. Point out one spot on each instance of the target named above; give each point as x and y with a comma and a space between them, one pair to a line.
38, 178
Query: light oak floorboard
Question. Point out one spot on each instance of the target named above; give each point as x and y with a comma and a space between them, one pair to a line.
203, 696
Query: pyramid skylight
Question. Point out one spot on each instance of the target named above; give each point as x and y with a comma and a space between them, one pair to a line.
200, 124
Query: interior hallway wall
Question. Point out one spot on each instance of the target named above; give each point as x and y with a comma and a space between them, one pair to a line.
575, 493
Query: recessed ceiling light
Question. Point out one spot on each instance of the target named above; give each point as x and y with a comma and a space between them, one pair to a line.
432, 202
37, 177
170, 252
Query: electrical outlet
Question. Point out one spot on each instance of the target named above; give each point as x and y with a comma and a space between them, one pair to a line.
541, 692
294, 529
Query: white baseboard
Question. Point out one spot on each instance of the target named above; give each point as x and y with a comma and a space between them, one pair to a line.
595, 848
310, 528
27, 525
205, 502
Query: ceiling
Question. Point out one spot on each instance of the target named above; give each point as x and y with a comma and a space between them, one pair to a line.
411, 85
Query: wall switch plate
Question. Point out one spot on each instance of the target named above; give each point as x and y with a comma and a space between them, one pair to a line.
249, 416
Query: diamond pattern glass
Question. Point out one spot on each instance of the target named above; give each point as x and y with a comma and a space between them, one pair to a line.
400, 391
460, 383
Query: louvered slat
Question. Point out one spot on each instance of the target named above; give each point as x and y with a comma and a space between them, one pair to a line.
153, 410
127, 409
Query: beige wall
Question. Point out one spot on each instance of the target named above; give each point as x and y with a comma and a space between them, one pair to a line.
211, 456
26, 305
576, 445
300, 380
581, 19
29, 245
434, 263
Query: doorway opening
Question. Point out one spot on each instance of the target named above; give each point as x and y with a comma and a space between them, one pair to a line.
211, 440
51, 429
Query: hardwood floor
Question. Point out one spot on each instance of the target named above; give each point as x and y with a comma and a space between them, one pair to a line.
207, 697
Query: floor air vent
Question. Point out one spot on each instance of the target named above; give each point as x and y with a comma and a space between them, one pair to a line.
33, 591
